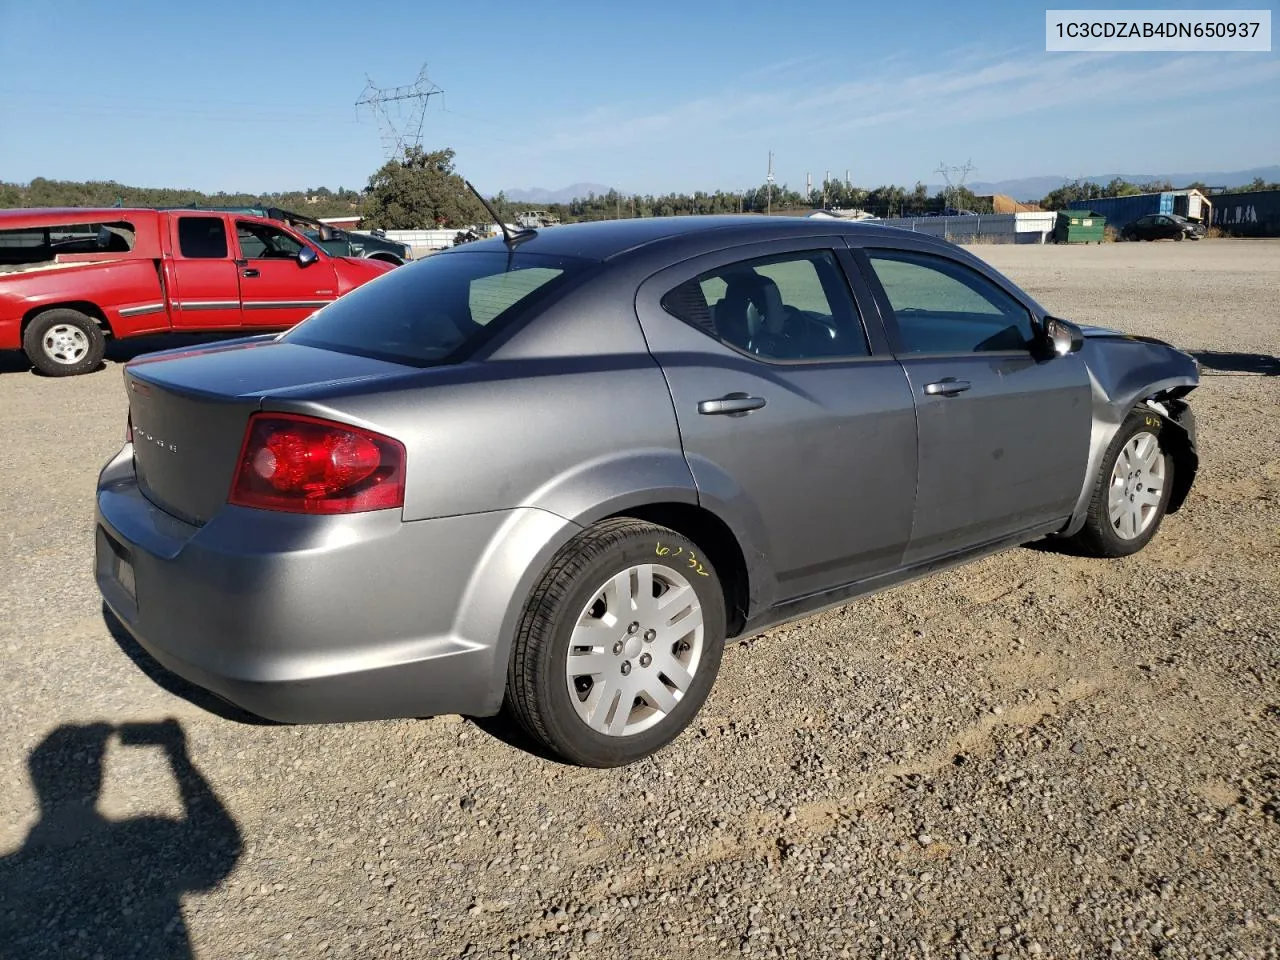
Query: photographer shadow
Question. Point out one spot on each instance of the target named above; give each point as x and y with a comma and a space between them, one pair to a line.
85, 886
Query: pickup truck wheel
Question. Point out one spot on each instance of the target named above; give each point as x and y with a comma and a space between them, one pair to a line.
1131, 491
64, 342
619, 645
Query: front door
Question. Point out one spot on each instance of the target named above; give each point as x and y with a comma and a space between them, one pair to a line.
1003, 435
794, 428
204, 289
276, 289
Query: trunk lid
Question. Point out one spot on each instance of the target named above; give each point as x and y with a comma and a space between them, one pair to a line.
189, 412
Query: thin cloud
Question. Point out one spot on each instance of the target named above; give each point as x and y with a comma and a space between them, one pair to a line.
970, 89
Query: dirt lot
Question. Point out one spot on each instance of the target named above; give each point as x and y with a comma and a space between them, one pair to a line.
1038, 755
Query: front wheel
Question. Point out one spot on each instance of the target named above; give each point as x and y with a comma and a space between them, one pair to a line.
1132, 490
619, 645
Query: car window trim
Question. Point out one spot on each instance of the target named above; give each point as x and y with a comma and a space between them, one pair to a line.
658, 284
298, 237
890, 317
497, 331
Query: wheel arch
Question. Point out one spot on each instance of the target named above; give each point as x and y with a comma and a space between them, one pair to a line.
1130, 373
87, 307
522, 551
716, 540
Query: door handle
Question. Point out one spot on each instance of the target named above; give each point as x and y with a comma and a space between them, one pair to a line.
946, 387
731, 404
251, 272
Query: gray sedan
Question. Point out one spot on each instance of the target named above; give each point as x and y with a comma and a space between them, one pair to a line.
553, 474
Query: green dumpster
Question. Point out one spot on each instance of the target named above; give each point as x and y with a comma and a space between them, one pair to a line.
1079, 226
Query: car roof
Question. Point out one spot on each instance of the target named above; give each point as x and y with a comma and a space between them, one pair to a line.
607, 239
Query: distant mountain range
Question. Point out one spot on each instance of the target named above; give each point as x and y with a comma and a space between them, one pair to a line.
563, 195
1033, 188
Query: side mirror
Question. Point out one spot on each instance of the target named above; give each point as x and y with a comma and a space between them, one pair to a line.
307, 256
1062, 336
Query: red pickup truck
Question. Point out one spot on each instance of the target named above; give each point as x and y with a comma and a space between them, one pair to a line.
70, 278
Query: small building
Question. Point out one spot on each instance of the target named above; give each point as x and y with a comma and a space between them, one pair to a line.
343, 223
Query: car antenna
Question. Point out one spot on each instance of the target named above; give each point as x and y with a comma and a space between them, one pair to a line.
509, 238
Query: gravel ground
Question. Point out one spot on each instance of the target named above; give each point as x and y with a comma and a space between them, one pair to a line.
1036, 755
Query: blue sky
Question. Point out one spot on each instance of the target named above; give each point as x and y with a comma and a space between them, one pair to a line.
653, 97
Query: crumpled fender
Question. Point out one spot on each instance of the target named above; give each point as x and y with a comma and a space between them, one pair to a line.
1127, 372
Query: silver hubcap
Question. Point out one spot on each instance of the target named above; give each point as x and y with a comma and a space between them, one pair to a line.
64, 343
635, 650
1137, 484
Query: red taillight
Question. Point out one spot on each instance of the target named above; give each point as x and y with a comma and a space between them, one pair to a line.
305, 465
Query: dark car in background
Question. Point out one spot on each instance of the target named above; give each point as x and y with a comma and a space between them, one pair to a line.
1163, 226
555, 472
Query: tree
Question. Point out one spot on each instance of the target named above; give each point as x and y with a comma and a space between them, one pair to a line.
420, 190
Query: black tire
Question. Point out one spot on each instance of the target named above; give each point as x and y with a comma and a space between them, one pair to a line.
537, 684
1180, 237
48, 330
1099, 535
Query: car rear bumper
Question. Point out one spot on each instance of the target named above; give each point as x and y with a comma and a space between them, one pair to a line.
319, 619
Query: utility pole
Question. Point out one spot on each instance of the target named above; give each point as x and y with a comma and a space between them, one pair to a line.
769, 188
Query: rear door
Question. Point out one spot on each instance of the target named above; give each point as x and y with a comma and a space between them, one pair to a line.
276, 289
1003, 433
796, 426
204, 289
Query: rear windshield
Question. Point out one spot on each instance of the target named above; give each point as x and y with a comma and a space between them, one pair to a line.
438, 309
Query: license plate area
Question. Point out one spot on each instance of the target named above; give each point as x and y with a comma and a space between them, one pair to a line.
116, 564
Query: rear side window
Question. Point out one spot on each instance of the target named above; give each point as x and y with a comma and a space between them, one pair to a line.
791, 307
437, 309
945, 307
202, 238
39, 244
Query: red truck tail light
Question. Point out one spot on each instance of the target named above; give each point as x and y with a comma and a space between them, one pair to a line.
306, 465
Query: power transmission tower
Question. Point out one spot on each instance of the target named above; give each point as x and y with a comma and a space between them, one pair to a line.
400, 111
953, 187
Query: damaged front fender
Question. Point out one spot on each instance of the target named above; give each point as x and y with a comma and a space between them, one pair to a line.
1127, 373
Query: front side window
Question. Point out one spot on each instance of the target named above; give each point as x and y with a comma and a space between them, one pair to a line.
791, 307
435, 309
258, 241
202, 238
942, 306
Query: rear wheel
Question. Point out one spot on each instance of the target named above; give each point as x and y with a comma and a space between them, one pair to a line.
1131, 492
64, 342
619, 645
